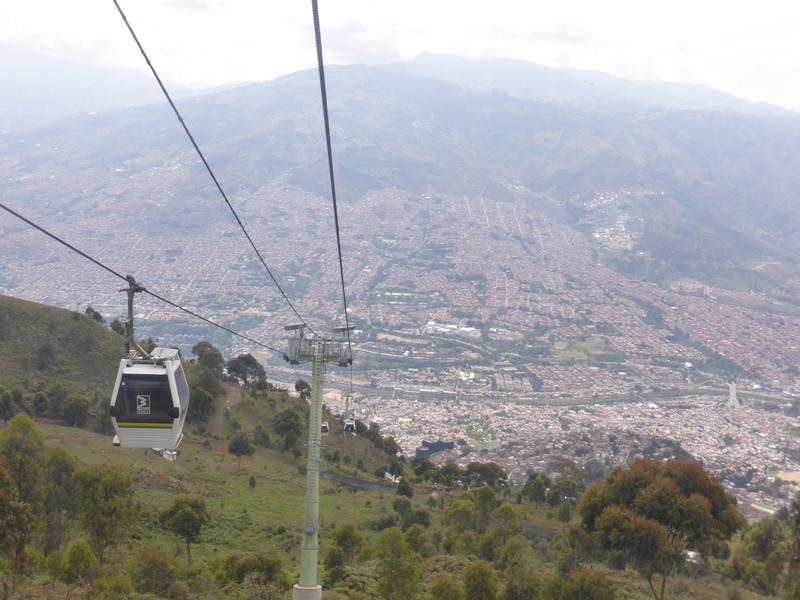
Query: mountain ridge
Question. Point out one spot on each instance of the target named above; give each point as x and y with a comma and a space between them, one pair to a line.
727, 179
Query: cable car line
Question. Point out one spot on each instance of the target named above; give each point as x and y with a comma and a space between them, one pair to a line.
124, 278
324, 94
207, 166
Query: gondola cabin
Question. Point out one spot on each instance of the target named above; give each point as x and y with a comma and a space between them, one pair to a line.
150, 400
350, 426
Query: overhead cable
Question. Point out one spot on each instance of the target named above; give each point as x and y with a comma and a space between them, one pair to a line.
324, 93
124, 278
205, 163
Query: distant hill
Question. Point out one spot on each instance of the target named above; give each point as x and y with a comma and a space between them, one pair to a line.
574, 87
709, 182
41, 345
39, 89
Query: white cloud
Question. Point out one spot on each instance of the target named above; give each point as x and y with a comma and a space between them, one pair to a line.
751, 50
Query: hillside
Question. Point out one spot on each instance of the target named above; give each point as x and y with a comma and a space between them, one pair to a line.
40, 89
42, 345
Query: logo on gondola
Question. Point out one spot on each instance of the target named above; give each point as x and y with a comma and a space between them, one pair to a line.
142, 405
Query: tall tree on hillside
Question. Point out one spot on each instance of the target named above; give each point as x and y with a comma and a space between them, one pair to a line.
398, 566
22, 451
94, 315
57, 395
288, 424
579, 583
347, 537
186, 516
76, 565
303, 388
479, 474
202, 406
8, 408
60, 505
246, 369
209, 357
107, 510
17, 523
241, 445
447, 587
480, 581
649, 514
76, 410
794, 562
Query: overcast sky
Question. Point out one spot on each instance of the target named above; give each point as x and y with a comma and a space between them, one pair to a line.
750, 49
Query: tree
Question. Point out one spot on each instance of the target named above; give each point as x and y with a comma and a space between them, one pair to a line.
524, 584
60, 506
447, 587
152, 570
794, 563
398, 566
538, 491
649, 514
247, 369
241, 445
418, 516
40, 404
76, 410
483, 498
202, 406
480, 581
186, 516
504, 523
94, 315
579, 583
401, 505
105, 497
209, 357
565, 513
460, 515
404, 489
479, 474
302, 387
422, 467
76, 565
564, 489
22, 450
347, 537
261, 437
17, 523
288, 424
8, 407
117, 327
57, 395
335, 566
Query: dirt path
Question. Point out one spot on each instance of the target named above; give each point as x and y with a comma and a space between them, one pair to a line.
232, 396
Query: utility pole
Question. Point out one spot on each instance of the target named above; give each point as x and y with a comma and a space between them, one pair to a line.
318, 351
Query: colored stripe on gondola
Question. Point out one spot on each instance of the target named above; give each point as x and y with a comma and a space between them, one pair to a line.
145, 425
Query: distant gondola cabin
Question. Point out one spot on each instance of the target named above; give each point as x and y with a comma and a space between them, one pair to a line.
150, 400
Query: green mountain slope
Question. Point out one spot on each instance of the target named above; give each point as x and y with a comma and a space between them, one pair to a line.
42, 345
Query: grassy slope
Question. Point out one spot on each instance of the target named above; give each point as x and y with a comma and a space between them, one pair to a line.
41, 345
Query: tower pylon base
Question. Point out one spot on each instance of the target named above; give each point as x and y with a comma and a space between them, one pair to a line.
306, 593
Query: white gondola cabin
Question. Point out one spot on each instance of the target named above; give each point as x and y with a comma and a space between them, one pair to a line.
150, 400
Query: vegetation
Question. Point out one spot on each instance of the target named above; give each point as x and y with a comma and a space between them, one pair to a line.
83, 520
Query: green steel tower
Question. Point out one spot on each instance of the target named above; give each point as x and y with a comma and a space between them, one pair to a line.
317, 350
